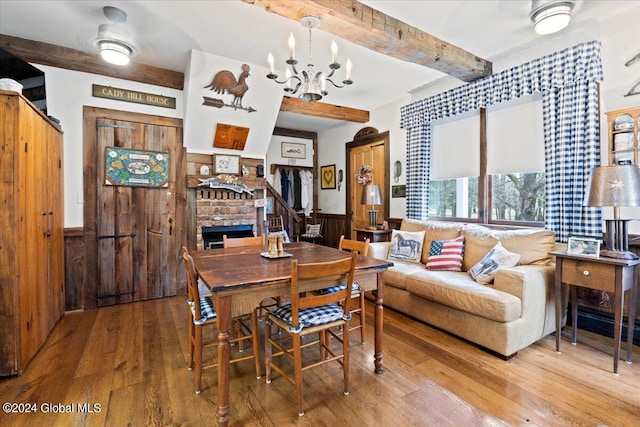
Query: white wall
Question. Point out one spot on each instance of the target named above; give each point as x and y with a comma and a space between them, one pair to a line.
67, 92
332, 148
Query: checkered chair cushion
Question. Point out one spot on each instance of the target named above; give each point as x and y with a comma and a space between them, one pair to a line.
313, 316
206, 308
355, 289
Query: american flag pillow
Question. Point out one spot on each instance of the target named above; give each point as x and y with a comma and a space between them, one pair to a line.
446, 254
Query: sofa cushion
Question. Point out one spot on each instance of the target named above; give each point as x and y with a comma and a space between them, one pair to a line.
458, 290
446, 254
434, 230
406, 245
396, 276
485, 270
532, 245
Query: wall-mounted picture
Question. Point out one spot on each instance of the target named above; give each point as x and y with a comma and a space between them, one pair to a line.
293, 150
328, 177
583, 246
269, 206
223, 163
136, 168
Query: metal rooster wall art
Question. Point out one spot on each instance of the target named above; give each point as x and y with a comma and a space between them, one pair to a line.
635, 89
224, 82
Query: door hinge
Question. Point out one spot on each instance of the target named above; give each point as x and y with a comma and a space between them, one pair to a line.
109, 125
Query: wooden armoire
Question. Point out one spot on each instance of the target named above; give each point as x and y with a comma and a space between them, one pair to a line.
31, 231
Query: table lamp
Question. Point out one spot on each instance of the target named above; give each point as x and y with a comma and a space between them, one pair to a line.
371, 196
614, 186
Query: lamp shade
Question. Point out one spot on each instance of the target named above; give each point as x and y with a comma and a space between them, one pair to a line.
613, 186
371, 195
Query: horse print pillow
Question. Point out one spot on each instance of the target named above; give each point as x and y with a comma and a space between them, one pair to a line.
485, 270
406, 245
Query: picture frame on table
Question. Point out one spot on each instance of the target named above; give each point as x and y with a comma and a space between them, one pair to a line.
328, 177
226, 163
586, 246
293, 150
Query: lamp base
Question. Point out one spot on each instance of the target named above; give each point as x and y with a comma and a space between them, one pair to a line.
617, 235
373, 220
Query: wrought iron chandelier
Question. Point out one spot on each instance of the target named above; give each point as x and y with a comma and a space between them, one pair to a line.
310, 87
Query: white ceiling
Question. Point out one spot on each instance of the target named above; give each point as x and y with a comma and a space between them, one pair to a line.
166, 31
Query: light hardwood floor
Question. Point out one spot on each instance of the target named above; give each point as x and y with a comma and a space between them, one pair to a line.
130, 361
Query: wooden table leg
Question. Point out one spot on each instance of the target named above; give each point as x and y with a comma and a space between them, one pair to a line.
618, 303
631, 319
574, 314
223, 310
378, 320
559, 303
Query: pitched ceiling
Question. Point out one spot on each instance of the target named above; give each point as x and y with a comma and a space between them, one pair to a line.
166, 31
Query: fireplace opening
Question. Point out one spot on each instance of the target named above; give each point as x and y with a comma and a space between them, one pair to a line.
212, 236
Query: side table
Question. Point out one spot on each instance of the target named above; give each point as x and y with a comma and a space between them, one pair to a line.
373, 235
604, 274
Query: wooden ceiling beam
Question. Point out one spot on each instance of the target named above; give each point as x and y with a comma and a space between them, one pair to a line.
72, 59
320, 109
384, 34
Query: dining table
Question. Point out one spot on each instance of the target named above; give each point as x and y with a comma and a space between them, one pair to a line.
240, 278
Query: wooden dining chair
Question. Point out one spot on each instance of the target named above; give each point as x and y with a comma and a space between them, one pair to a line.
236, 242
275, 223
252, 241
361, 247
202, 313
310, 313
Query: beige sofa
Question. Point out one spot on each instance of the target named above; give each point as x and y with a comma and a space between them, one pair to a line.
515, 311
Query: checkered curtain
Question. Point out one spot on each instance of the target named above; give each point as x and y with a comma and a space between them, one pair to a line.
560, 76
418, 167
571, 149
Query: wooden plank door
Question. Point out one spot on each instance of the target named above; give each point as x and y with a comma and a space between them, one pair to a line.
372, 154
138, 230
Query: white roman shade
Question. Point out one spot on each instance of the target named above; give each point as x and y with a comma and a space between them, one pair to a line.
455, 149
515, 136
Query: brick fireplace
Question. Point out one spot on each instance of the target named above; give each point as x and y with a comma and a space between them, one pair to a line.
223, 207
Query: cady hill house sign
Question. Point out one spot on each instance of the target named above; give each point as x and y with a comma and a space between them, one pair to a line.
110, 92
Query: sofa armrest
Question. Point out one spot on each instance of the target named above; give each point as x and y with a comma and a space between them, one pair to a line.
379, 250
514, 280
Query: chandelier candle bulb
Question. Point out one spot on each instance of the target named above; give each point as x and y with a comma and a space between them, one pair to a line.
334, 51
271, 65
323, 83
292, 46
349, 69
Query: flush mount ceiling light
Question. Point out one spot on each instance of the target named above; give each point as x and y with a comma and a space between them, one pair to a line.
114, 42
550, 16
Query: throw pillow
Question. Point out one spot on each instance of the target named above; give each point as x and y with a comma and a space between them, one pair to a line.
485, 270
446, 254
406, 245
313, 229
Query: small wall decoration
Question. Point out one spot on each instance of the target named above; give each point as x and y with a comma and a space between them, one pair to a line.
224, 82
230, 136
328, 177
398, 191
364, 174
136, 168
294, 150
268, 209
223, 163
110, 92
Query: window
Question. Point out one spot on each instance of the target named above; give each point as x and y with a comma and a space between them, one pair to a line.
518, 197
514, 164
453, 198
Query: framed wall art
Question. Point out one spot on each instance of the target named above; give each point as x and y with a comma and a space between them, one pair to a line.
136, 168
225, 163
328, 177
269, 206
293, 150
